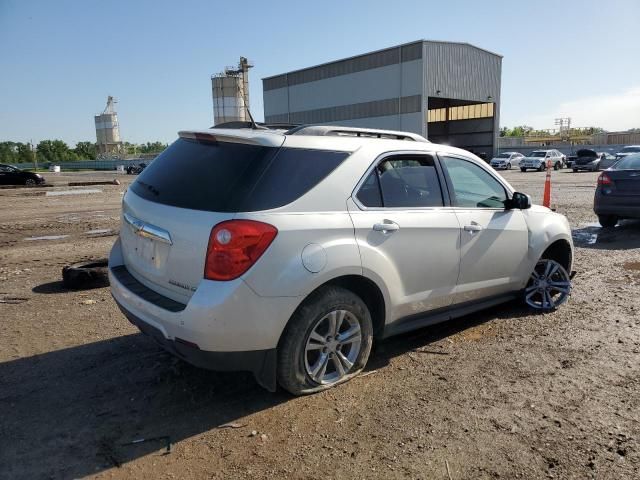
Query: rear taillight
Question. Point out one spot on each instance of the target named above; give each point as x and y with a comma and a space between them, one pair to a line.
234, 246
604, 179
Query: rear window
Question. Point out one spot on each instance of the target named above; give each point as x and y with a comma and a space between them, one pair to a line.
632, 162
233, 177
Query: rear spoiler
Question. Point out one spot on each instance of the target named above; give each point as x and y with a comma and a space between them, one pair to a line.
264, 138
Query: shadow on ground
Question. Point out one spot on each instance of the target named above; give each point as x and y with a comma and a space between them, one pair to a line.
68, 413
624, 236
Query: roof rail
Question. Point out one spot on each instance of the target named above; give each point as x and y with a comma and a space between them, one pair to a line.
340, 131
265, 126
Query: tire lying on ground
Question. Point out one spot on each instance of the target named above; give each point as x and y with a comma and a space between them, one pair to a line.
90, 274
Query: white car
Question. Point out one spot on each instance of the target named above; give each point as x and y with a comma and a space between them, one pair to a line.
537, 160
626, 151
287, 254
506, 160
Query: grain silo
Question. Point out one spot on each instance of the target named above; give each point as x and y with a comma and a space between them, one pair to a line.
107, 129
231, 93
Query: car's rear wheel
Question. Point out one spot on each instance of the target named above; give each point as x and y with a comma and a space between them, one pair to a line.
549, 286
29, 182
327, 342
523, 169
608, 221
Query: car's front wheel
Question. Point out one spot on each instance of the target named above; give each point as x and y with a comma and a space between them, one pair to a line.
508, 166
549, 286
541, 168
29, 182
608, 221
327, 342
523, 169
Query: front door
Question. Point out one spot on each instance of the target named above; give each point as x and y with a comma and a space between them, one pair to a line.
407, 235
493, 240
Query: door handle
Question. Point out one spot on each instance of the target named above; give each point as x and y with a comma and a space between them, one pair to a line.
474, 227
386, 226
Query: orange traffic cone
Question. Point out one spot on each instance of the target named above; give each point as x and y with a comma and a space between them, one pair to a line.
546, 197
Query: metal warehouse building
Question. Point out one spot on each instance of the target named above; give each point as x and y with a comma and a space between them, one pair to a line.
446, 91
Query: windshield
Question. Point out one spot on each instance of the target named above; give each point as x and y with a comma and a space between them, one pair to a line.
632, 162
504, 155
630, 150
539, 153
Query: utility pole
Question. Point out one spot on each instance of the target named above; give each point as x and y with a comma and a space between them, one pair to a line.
33, 155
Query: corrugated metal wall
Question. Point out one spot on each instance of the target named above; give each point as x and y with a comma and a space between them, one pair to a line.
462, 72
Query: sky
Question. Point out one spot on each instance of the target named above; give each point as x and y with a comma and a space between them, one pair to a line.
59, 60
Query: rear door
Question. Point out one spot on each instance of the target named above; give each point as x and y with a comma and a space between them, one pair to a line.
493, 241
407, 234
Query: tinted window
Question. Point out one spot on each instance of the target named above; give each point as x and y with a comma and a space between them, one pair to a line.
231, 177
632, 162
408, 181
473, 187
630, 150
369, 193
538, 154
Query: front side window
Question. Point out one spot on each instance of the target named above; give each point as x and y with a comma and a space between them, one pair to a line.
403, 181
473, 187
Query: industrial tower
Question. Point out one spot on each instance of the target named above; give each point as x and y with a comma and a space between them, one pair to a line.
108, 129
230, 91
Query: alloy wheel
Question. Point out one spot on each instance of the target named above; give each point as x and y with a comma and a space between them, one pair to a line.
549, 286
332, 347
30, 182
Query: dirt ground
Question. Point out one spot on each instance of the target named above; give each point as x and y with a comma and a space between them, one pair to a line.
500, 394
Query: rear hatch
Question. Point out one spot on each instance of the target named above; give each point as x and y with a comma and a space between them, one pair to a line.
202, 179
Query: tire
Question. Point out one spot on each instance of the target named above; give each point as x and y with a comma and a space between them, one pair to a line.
523, 169
608, 221
508, 166
85, 275
30, 182
556, 166
575, 170
549, 286
298, 352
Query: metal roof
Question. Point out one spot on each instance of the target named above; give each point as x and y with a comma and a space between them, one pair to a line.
383, 50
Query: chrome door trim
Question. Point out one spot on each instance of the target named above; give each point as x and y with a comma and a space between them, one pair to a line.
147, 230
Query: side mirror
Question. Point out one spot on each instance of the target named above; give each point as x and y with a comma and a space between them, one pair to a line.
520, 201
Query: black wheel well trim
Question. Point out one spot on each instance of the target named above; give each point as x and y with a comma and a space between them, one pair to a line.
366, 289
560, 250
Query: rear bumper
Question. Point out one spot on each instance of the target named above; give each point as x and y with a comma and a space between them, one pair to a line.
224, 325
625, 206
262, 363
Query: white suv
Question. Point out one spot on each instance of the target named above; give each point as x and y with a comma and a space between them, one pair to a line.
537, 160
288, 253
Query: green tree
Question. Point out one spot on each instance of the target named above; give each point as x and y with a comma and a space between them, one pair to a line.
53, 151
24, 153
86, 150
8, 152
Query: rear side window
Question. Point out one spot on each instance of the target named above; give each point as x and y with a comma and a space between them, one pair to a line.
233, 177
409, 181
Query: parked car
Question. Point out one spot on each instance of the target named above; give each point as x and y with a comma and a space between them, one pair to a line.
618, 192
630, 150
136, 169
587, 160
537, 160
10, 175
606, 160
287, 254
506, 160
